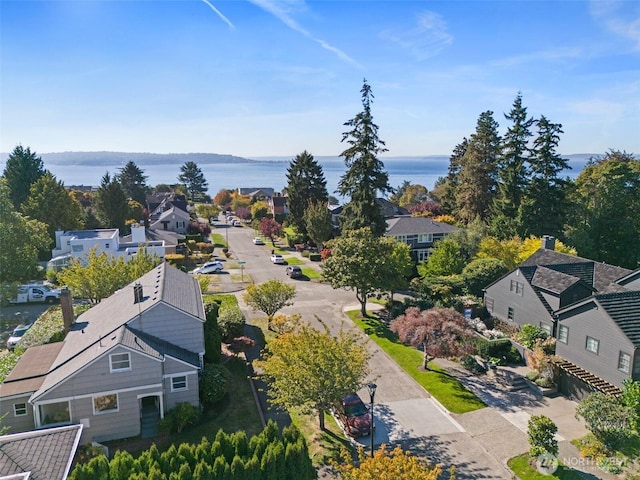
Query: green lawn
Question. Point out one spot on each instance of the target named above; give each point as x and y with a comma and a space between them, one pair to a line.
323, 445
294, 261
444, 387
218, 240
311, 273
520, 466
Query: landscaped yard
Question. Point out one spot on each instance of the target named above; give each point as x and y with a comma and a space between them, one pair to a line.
444, 387
520, 466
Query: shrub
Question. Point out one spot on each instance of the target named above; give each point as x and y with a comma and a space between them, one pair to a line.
469, 362
205, 247
544, 382
214, 383
591, 447
530, 334
502, 349
182, 415
241, 344
306, 254
231, 323
612, 465
541, 431
315, 257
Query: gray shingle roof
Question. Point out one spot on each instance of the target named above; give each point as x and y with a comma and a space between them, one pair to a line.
47, 454
416, 226
552, 281
156, 347
624, 310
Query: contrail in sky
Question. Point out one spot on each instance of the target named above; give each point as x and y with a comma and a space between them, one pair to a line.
224, 19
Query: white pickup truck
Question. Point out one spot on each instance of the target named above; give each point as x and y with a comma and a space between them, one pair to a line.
36, 293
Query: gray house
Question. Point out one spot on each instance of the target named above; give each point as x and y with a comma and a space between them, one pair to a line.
420, 233
592, 308
123, 363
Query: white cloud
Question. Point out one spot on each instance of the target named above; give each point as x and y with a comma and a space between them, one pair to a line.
554, 55
284, 11
219, 13
620, 18
428, 38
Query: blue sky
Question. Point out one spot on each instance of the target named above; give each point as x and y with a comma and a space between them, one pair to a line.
273, 78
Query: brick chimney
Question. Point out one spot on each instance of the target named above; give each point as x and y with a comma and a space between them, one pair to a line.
548, 242
66, 304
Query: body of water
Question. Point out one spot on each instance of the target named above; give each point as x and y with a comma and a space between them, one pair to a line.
267, 172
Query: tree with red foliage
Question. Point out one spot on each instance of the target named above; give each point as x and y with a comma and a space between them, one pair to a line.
441, 332
428, 208
243, 213
270, 228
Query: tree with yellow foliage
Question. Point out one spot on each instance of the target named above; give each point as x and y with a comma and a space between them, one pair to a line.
388, 465
513, 251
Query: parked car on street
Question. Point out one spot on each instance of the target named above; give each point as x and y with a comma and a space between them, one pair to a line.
354, 415
237, 223
294, 271
17, 335
208, 267
277, 258
258, 241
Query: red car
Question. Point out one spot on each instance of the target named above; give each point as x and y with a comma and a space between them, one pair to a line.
354, 415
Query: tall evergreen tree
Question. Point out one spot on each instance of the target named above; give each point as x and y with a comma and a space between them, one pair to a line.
22, 169
133, 182
446, 188
51, 203
365, 175
306, 185
512, 172
193, 179
112, 207
544, 208
477, 176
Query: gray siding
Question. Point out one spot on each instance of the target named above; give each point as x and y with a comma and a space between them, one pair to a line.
593, 322
527, 307
21, 423
171, 366
190, 395
173, 326
574, 294
97, 377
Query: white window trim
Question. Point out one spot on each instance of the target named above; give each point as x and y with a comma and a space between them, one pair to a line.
15, 409
103, 412
117, 370
181, 389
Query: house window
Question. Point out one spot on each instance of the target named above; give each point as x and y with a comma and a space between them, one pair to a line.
546, 328
517, 287
77, 248
178, 383
180, 224
19, 409
593, 345
624, 362
488, 302
510, 314
425, 238
120, 362
563, 334
422, 255
106, 245
55, 413
105, 403
401, 238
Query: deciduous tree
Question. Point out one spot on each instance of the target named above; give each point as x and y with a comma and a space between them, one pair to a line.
396, 464
603, 225
222, 198
440, 332
606, 417
365, 175
541, 432
445, 259
317, 218
361, 262
306, 185
270, 228
50, 203
22, 169
20, 240
481, 272
269, 297
193, 179
310, 369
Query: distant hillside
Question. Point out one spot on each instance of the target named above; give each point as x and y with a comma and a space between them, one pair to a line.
121, 158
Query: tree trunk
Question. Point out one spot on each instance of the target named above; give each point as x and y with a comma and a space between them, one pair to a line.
321, 419
426, 358
363, 308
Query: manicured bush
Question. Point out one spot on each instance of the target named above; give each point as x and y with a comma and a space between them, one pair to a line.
214, 383
305, 253
469, 362
530, 334
541, 432
500, 349
182, 415
205, 247
315, 257
231, 323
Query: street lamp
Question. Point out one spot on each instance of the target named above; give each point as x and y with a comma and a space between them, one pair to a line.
372, 393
